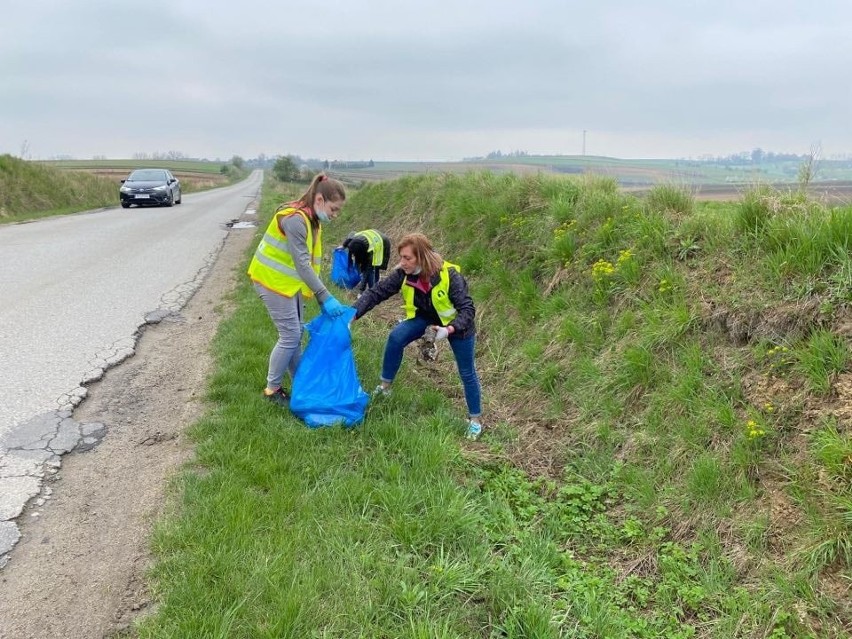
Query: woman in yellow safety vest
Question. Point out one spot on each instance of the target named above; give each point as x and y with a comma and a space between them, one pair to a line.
435, 297
370, 251
285, 270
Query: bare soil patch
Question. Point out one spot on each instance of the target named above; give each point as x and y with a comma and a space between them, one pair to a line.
789, 321
79, 568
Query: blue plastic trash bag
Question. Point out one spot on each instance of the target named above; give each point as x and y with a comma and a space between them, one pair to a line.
344, 273
326, 389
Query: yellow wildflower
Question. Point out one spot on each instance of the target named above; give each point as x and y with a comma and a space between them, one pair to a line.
602, 270
754, 430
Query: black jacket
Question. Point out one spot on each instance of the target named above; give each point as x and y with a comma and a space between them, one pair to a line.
463, 323
359, 251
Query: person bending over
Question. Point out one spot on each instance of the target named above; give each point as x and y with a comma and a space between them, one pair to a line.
370, 252
435, 295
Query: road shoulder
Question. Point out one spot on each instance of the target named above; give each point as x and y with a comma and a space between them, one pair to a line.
78, 570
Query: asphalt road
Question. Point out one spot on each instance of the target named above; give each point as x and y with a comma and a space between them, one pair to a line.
75, 289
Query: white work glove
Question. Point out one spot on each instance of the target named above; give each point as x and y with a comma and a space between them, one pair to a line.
441, 332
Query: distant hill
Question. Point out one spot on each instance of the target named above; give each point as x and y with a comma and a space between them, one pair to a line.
718, 180
627, 172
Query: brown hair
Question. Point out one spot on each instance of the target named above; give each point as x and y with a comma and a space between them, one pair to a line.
331, 190
430, 262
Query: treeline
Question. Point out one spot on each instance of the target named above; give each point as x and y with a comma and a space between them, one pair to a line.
759, 156
498, 154
336, 164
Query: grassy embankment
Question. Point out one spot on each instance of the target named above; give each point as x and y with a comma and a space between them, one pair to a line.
669, 454
31, 190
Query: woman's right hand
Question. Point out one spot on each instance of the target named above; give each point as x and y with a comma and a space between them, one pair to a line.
332, 307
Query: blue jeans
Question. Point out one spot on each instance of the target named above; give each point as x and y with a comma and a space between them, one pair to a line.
463, 349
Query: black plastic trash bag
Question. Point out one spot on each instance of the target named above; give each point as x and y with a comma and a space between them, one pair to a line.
326, 389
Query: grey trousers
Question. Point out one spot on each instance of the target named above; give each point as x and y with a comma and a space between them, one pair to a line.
286, 313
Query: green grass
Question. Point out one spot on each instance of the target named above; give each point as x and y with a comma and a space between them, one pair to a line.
644, 473
670, 198
833, 449
823, 356
29, 190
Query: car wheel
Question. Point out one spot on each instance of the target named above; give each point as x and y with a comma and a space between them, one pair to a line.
171, 200
125, 205
180, 199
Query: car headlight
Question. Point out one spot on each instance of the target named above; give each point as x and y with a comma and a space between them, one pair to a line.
161, 188
125, 189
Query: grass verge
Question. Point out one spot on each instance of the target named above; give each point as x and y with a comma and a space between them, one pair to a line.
667, 455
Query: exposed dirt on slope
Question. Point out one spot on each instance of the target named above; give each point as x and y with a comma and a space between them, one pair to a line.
79, 568
785, 322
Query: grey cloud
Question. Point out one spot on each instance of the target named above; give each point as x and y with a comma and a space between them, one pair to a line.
234, 75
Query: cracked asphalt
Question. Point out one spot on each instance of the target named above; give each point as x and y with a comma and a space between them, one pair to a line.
33, 451
75, 293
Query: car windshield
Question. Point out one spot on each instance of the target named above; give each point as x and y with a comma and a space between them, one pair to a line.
147, 175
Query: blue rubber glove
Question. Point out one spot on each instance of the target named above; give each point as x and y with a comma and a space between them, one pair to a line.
332, 307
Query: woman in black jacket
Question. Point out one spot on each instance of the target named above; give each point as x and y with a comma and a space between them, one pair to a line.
370, 251
436, 298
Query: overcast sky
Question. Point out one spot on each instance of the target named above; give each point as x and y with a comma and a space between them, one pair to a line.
433, 80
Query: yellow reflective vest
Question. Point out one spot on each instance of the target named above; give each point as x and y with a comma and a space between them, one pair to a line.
375, 243
272, 265
440, 296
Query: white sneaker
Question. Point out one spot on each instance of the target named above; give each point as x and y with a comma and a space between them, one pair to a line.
474, 429
381, 391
